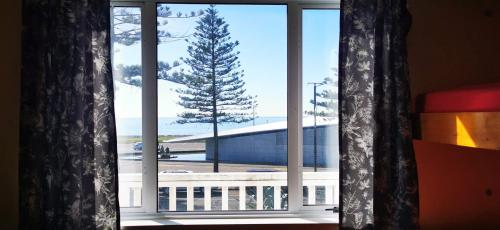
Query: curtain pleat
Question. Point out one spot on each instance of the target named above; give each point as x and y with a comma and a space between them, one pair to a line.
379, 186
68, 157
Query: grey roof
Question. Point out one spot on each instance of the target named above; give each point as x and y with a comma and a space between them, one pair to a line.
274, 126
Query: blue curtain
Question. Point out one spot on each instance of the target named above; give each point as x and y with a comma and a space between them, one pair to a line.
68, 157
379, 186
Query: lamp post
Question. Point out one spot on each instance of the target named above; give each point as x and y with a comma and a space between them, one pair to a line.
315, 150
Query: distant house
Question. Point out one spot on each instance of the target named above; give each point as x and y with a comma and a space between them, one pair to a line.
267, 143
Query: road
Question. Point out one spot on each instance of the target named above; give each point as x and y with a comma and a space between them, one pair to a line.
174, 147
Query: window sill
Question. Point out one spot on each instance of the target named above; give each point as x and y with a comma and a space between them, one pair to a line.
161, 220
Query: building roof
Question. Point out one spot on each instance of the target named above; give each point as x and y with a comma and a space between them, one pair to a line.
269, 127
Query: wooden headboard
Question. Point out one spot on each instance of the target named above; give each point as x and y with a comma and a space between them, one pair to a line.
468, 116
471, 129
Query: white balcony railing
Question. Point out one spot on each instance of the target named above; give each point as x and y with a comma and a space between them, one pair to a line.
130, 188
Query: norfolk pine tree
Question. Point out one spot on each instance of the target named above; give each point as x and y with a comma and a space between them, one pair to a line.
213, 89
127, 31
327, 100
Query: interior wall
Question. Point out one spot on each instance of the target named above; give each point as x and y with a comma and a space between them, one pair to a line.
10, 71
458, 186
453, 43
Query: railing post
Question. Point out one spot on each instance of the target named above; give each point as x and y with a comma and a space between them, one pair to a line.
123, 197
190, 198
130, 198
137, 193
277, 197
336, 193
329, 194
207, 198
260, 198
172, 198
311, 190
242, 193
225, 198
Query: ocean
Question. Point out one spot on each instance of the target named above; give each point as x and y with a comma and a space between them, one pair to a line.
168, 126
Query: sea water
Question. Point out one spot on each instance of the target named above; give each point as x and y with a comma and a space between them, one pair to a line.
169, 126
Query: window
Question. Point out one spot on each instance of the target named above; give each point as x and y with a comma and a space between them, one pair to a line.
320, 39
216, 110
127, 74
245, 46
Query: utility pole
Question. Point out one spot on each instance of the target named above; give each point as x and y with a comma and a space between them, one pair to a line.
315, 150
254, 105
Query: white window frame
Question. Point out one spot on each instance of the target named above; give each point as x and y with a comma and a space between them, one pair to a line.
296, 207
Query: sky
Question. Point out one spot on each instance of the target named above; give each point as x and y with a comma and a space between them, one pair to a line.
261, 31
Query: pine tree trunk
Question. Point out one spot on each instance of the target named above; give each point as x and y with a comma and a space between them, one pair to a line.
216, 147
214, 111
216, 135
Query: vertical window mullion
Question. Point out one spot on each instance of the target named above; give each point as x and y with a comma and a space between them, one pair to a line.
294, 101
149, 109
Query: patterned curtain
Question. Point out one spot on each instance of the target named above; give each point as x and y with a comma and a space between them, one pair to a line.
379, 177
68, 158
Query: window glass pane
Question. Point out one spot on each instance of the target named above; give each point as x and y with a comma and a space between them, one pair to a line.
127, 76
222, 103
320, 38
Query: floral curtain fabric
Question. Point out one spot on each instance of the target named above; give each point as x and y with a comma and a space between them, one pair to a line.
68, 158
379, 179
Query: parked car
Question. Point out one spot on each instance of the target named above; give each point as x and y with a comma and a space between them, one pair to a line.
138, 146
